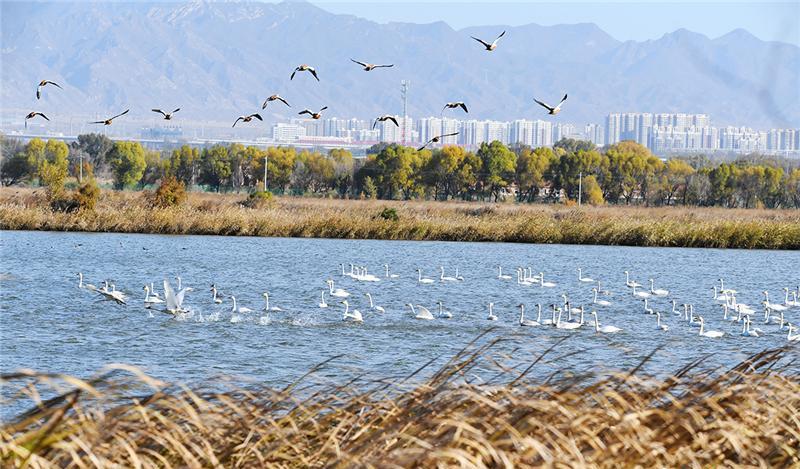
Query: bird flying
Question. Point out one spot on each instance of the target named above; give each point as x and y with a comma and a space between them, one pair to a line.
33, 114
314, 115
436, 140
304, 68
370, 67
455, 105
44, 83
246, 119
108, 121
384, 118
274, 97
493, 45
167, 115
550, 109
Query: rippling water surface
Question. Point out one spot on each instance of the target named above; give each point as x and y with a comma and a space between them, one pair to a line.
48, 324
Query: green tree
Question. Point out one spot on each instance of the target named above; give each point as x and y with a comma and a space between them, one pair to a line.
343, 169
499, 167
96, 146
592, 193
216, 169
532, 167
370, 190
397, 171
280, 167
442, 171
127, 161
53, 168
184, 164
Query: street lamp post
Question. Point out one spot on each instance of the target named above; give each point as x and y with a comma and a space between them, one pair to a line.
266, 158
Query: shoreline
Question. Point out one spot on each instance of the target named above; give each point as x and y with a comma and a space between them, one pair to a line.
295, 217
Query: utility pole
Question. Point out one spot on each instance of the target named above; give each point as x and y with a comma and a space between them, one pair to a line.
580, 187
266, 158
404, 96
80, 169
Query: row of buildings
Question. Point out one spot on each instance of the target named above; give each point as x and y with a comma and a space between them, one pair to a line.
661, 133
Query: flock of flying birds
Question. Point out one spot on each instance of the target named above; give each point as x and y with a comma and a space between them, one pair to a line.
566, 316
367, 67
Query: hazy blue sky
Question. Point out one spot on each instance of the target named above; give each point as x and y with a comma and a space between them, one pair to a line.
639, 20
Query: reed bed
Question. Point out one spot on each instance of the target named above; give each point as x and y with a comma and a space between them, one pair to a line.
745, 416
213, 214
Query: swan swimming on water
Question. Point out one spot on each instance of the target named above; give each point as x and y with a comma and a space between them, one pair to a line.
444, 314
379, 309
423, 313
629, 283
604, 329
501, 275
442, 277
660, 326
87, 286
527, 322
566, 325
491, 316
790, 337
657, 292
543, 283
355, 316
215, 296
148, 298
640, 294
599, 302
322, 303
239, 309
420, 279
266, 306
581, 278
388, 275
709, 334
339, 293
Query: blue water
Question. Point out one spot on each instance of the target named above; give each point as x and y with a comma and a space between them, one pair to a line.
47, 323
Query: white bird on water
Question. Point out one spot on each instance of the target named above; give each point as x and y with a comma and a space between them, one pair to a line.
420, 279
604, 329
388, 275
423, 313
660, 326
150, 299
501, 275
582, 278
266, 306
215, 295
239, 309
526, 322
379, 309
709, 334
443, 278
322, 303
338, 292
543, 283
355, 316
87, 286
658, 291
491, 316
444, 314
599, 302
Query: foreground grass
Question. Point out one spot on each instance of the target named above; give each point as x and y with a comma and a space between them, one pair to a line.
747, 416
212, 214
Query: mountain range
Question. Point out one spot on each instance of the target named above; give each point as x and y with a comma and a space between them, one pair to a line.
219, 60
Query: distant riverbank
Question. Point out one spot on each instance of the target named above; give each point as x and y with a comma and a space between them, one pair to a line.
214, 214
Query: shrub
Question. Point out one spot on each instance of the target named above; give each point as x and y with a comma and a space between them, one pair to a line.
170, 193
390, 214
87, 195
258, 199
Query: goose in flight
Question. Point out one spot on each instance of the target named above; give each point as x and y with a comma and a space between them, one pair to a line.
384, 118
304, 68
456, 105
490, 47
167, 115
550, 109
108, 121
274, 97
44, 83
314, 115
246, 119
33, 114
371, 67
436, 140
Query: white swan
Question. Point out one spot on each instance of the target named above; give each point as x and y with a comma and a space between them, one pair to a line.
723, 290
660, 326
566, 325
420, 279
148, 298
500, 274
388, 275
153, 291
521, 279
581, 278
442, 277
491, 316
601, 291
239, 309
709, 334
746, 332
423, 313
773, 306
215, 296
338, 293
266, 306
379, 309
460, 278
523, 321
543, 283
604, 329
355, 316
640, 294
674, 309
629, 283
87, 286
599, 302
322, 303
444, 313
647, 309
790, 337
786, 301
179, 283
552, 320
174, 302
112, 293
658, 291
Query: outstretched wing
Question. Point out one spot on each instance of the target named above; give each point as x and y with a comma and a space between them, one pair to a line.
498, 37
237, 121
313, 72
544, 105
257, 116
40, 114
448, 135
292, 77
561, 102
423, 146
464, 107
384, 66
98, 122
360, 63
264, 106
394, 119
323, 108
47, 82
283, 101
160, 112
176, 110
373, 124
169, 295
305, 111
120, 114
485, 44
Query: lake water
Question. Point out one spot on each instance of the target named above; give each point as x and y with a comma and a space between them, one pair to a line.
47, 323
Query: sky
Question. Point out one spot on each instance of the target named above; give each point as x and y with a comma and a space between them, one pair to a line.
624, 20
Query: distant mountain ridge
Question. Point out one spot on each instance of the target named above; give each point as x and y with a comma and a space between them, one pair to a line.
219, 60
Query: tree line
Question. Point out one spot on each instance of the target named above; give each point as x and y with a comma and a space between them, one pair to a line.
624, 173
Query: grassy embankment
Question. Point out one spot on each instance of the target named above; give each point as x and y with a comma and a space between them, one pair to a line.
747, 416
129, 212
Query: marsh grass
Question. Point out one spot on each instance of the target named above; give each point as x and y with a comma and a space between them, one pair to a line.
744, 416
129, 212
